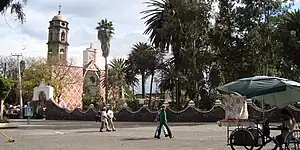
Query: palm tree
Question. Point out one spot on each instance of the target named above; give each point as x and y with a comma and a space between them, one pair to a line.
139, 58
131, 79
117, 75
168, 80
105, 31
164, 27
292, 19
155, 58
173, 24
289, 33
16, 8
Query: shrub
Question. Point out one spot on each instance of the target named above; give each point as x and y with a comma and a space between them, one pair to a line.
4, 120
133, 104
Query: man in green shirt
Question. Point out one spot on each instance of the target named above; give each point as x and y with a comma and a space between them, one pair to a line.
163, 122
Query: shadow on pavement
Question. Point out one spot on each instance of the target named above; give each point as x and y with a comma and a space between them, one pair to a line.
187, 124
136, 139
88, 131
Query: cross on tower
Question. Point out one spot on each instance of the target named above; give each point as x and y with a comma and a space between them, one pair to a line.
59, 9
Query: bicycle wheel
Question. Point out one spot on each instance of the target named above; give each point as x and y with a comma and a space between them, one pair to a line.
271, 143
292, 140
240, 138
258, 138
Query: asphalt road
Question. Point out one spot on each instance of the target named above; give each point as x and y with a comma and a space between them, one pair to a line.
78, 135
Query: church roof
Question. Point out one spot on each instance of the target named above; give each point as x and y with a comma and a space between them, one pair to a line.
59, 17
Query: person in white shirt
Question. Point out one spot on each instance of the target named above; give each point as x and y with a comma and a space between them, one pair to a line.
104, 122
111, 118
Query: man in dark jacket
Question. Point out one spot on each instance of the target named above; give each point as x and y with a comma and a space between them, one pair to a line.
163, 122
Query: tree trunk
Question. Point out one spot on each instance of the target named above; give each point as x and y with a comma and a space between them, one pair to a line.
178, 95
106, 80
163, 92
151, 84
177, 56
143, 85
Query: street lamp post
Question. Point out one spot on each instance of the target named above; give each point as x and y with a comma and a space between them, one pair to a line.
20, 89
20, 84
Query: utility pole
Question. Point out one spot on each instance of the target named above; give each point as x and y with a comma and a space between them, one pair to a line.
20, 84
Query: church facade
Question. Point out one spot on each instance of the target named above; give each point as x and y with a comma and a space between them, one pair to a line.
85, 80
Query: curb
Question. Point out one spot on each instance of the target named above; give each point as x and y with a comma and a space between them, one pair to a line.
8, 126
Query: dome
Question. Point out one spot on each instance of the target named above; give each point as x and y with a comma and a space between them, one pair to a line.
59, 17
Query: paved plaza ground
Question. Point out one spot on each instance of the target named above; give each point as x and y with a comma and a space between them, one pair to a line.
77, 135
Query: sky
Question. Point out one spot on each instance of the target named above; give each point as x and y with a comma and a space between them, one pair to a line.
30, 38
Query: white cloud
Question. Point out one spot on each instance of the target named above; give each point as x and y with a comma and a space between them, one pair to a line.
83, 17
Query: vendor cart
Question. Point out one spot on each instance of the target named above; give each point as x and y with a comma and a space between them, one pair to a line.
247, 134
252, 134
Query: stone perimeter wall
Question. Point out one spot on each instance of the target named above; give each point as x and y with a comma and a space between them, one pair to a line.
190, 114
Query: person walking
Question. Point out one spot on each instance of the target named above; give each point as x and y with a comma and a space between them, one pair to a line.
110, 118
104, 122
158, 123
163, 122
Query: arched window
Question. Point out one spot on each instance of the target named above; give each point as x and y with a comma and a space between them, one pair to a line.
63, 36
61, 51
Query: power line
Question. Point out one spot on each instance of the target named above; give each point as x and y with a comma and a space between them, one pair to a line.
7, 24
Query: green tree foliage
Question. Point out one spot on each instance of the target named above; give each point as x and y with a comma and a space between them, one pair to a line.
138, 59
39, 71
5, 87
177, 25
117, 77
288, 35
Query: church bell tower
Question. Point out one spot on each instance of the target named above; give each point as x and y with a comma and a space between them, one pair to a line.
58, 39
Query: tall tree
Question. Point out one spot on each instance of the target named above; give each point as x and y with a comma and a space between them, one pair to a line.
105, 31
139, 57
117, 77
154, 60
288, 35
131, 79
167, 23
15, 7
164, 27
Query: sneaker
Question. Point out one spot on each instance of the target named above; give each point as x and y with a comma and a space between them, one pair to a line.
155, 136
171, 136
114, 130
108, 130
158, 137
166, 135
100, 131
